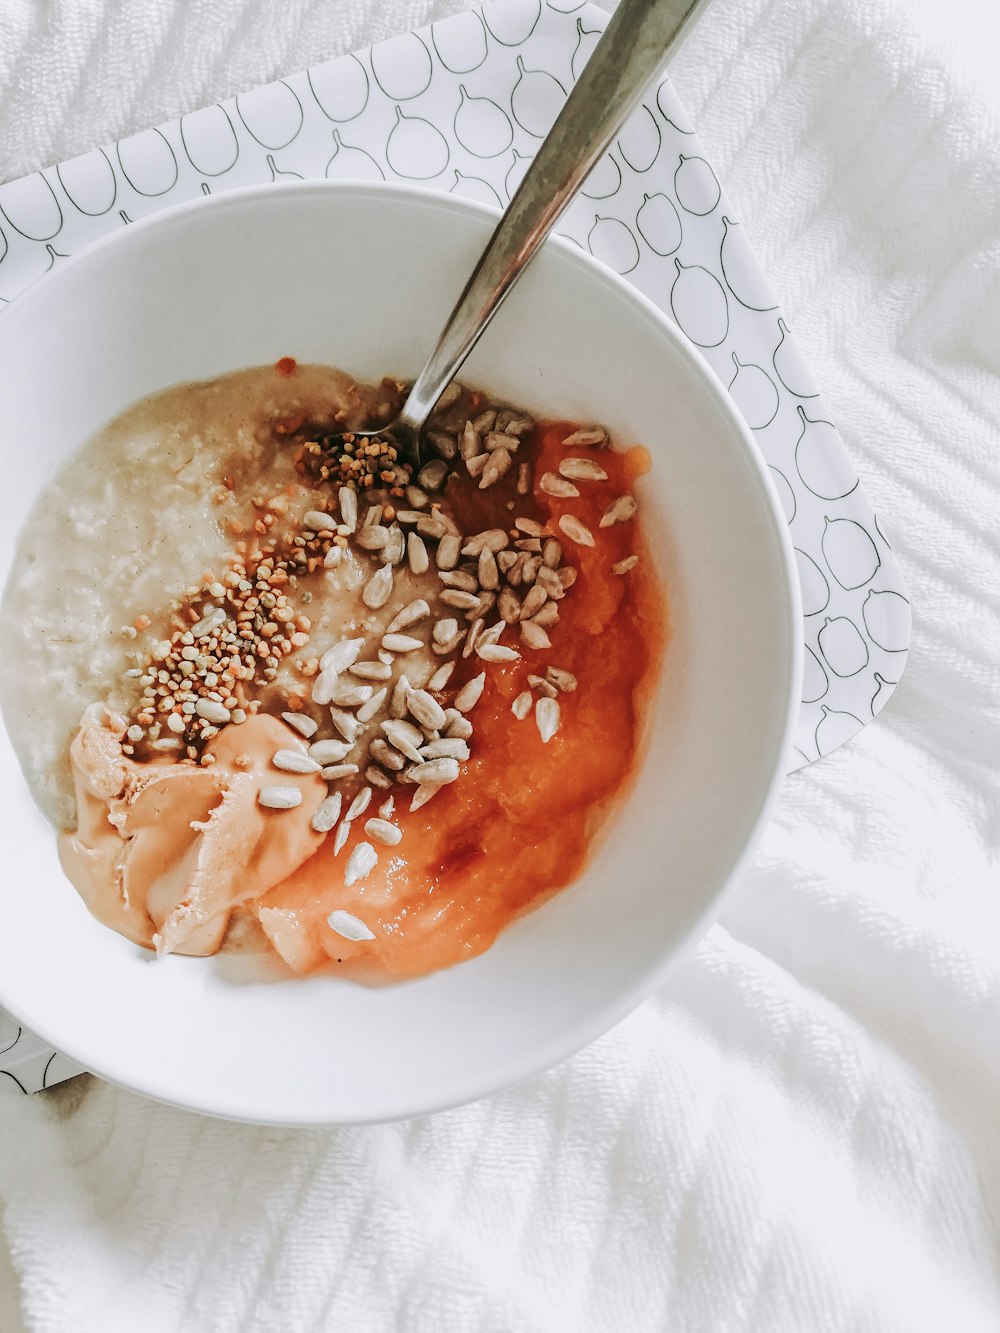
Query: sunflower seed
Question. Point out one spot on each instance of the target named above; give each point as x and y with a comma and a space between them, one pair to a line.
432, 526
372, 538
367, 711
515, 574
582, 469
497, 466
492, 539
360, 803
392, 552
534, 599
314, 520
444, 444
469, 445
333, 557
551, 553
477, 466
377, 778
327, 813
422, 795
472, 637
302, 723
530, 568
619, 511
408, 516
378, 589
447, 552
530, 544
342, 655
562, 680
534, 635
347, 499
623, 566
496, 652
397, 704
445, 630
443, 674
498, 440
346, 723
492, 635
543, 686
373, 515
469, 695
371, 670
417, 497
547, 718
341, 836
582, 439
416, 554
330, 752
294, 761
465, 601
275, 797
458, 578
383, 753
509, 606
409, 615
553, 485
347, 695
347, 924
530, 527
426, 709
567, 577
524, 478
334, 771
459, 727
401, 643
446, 748
575, 530
208, 624
360, 864
404, 737
324, 687
211, 711
489, 575
521, 706
382, 831
435, 771
386, 808
547, 616
432, 475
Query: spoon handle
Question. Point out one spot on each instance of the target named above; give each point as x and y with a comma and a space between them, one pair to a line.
636, 44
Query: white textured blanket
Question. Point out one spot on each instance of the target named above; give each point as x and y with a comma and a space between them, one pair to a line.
801, 1131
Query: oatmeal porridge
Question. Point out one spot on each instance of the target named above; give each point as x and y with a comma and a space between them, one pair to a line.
273, 685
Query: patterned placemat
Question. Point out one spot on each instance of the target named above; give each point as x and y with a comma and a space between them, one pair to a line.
462, 106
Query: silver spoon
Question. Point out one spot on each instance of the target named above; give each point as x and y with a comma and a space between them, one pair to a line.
635, 45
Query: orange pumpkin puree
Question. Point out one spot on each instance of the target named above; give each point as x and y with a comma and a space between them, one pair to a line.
520, 821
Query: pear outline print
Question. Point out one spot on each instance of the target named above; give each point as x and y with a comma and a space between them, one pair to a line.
786, 495
789, 366
340, 88
276, 112
31, 207
418, 147
536, 100
565, 6
480, 126
209, 140
820, 460
659, 224
277, 175
463, 50
10, 1032
349, 163
640, 140
739, 268
604, 180
516, 173
881, 696
886, 614
402, 67
813, 583
843, 646
834, 729
613, 244
584, 47
127, 221
512, 24
89, 183
754, 393
482, 192
699, 304
696, 186
3, 246
850, 554
670, 108
815, 681
148, 163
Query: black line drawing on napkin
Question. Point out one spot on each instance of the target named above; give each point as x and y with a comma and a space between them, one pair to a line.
416, 150
743, 278
5, 1073
278, 175
851, 555
481, 127
814, 585
789, 366
881, 695
843, 646
516, 172
586, 40
402, 67
611, 242
820, 461
696, 186
835, 728
340, 88
537, 99
31, 207
640, 140
89, 183
671, 109
511, 25
754, 393
273, 115
460, 42
815, 681
699, 305
887, 619
605, 179
474, 187
351, 164
785, 493
148, 163
210, 140
659, 224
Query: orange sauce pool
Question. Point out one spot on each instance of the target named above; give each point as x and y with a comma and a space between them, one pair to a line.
521, 820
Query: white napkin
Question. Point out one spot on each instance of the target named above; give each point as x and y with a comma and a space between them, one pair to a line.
800, 1131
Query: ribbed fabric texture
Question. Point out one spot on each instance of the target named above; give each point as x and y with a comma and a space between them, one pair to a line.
800, 1132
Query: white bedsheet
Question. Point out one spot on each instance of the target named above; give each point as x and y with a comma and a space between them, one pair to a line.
801, 1131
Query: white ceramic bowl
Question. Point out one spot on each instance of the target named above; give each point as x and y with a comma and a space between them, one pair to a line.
362, 277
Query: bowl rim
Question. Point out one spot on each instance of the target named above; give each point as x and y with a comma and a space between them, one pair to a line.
582, 1033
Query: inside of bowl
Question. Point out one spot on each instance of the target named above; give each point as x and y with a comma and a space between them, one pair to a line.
362, 278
